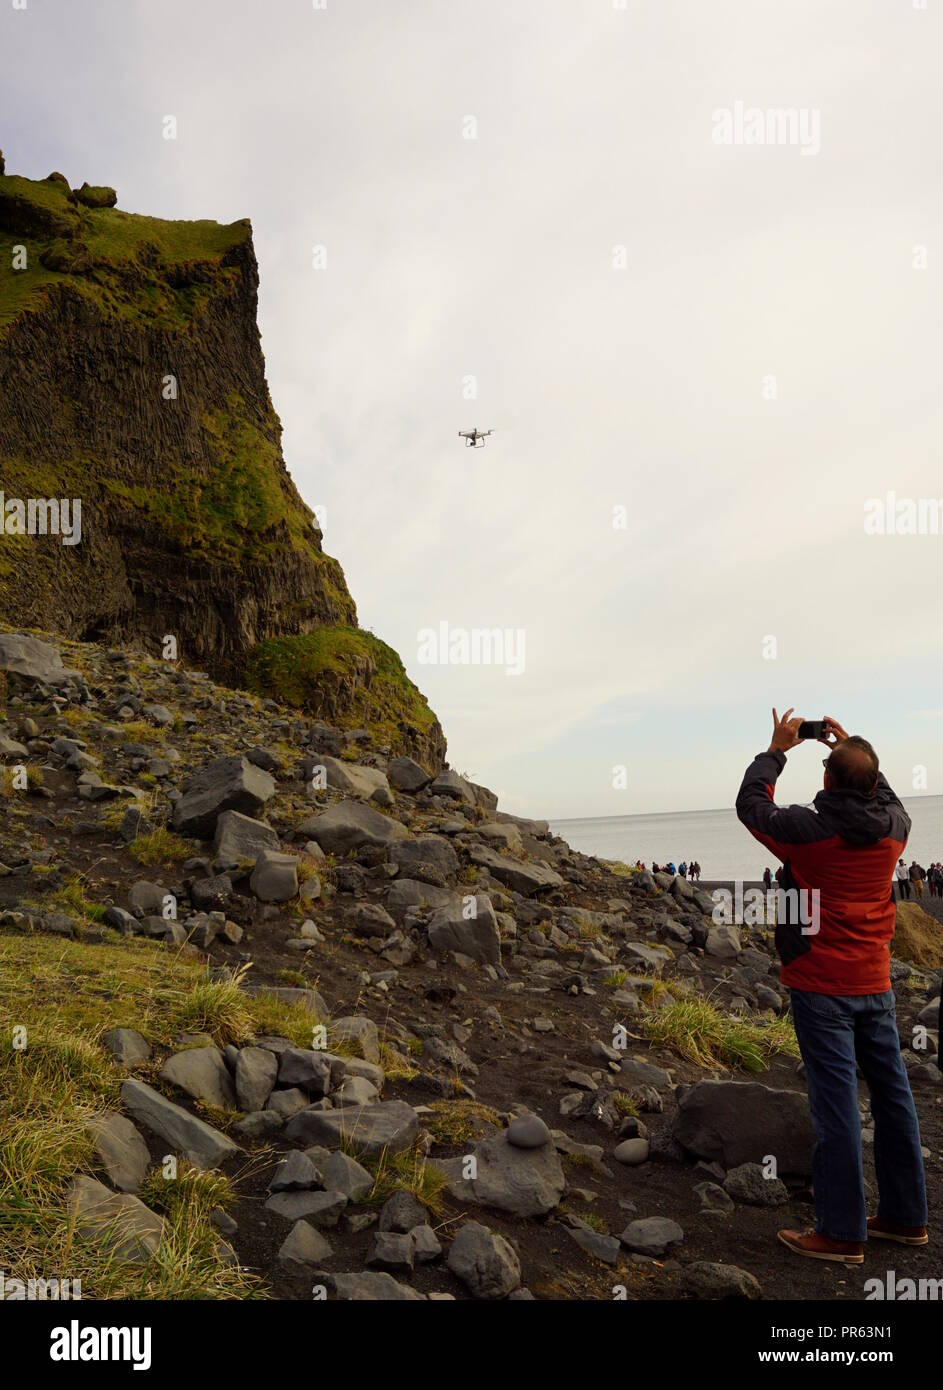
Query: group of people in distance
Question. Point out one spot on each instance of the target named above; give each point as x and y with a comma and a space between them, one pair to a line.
691, 871
910, 881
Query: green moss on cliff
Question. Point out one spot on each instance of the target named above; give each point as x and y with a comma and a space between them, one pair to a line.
138, 267
304, 671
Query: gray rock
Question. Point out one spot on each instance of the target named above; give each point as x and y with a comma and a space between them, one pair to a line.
523, 877
426, 1245
390, 1124
202, 1073
401, 1212
350, 824
120, 1150
735, 1122
652, 1235
632, 1152
321, 1208
239, 839
275, 877
258, 1124
714, 1198
129, 1229
145, 899
304, 1246
425, 849
528, 1132
524, 1182
226, 784
127, 1047
605, 1248
370, 919
406, 775
705, 1279
355, 1090
33, 660
477, 937
360, 781
370, 1286
305, 1068
357, 1028
341, 1173
748, 1184
391, 1250
295, 1173
204, 1146
287, 1103
723, 942
408, 892
256, 1070
484, 1262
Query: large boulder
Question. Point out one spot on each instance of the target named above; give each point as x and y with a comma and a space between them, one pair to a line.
736, 1122
204, 1146
120, 1150
226, 784
390, 1124
92, 195
130, 1230
484, 1262
256, 1070
456, 788
363, 782
424, 849
524, 1182
410, 892
275, 877
33, 660
406, 775
202, 1073
240, 840
350, 824
518, 874
477, 936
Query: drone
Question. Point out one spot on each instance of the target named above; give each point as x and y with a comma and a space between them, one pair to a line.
474, 439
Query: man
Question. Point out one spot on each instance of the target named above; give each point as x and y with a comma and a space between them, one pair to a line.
837, 970
903, 879
916, 878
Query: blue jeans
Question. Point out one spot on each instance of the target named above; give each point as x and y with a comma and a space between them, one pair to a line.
833, 1031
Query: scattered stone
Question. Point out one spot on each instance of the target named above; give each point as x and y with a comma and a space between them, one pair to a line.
204, 1146
202, 1073
120, 1150
129, 1229
748, 1184
652, 1235
484, 1262
304, 1246
127, 1047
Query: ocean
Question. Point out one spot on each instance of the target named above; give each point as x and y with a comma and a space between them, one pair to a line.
724, 849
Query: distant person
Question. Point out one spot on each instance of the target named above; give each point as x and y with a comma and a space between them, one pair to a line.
937, 888
691, 869
903, 879
671, 868
917, 875
767, 878
683, 869
837, 970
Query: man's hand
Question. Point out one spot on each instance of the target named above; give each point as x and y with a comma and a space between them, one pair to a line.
785, 732
834, 733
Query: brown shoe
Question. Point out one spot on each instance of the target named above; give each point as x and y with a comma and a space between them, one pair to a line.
816, 1247
904, 1235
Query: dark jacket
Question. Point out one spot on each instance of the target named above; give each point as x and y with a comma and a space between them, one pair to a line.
846, 845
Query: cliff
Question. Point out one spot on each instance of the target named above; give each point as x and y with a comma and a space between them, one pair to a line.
132, 378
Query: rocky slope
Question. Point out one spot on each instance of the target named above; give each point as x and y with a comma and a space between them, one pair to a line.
435, 1052
132, 378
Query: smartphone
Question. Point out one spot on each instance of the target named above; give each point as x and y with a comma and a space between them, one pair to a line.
812, 728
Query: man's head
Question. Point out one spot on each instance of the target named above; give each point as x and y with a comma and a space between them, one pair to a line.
852, 767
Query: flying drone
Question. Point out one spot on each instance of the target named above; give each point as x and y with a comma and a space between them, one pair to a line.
474, 439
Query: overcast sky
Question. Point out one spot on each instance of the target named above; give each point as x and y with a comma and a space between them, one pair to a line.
749, 270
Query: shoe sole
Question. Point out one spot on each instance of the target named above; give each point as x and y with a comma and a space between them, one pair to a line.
899, 1240
821, 1255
